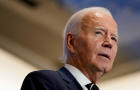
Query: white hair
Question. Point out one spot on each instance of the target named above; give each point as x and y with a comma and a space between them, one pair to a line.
72, 25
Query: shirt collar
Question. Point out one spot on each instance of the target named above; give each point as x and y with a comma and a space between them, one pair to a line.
79, 76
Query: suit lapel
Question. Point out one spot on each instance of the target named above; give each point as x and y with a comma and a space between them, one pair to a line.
70, 81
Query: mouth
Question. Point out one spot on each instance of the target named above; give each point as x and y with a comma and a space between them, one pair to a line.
104, 55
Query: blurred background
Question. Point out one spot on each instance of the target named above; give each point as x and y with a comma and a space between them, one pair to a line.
31, 38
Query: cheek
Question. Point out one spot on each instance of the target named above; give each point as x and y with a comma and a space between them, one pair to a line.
115, 49
87, 48
113, 53
82, 48
94, 47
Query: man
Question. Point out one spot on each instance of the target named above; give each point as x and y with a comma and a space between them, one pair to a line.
90, 47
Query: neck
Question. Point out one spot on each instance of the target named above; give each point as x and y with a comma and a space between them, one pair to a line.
92, 74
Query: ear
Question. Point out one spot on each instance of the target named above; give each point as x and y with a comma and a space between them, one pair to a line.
70, 42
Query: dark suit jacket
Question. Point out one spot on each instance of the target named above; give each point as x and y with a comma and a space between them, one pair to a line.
50, 80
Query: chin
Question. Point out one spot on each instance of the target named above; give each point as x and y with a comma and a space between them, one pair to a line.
104, 69
107, 69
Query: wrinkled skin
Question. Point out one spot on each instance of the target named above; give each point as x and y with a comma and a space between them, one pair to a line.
98, 35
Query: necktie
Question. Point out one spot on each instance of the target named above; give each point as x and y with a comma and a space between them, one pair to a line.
92, 86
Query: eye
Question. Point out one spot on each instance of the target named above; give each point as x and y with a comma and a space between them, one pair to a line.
97, 32
100, 33
113, 38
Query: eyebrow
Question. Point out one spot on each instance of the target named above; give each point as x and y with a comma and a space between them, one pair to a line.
115, 35
100, 28
103, 29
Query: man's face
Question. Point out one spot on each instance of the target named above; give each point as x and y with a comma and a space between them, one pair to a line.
96, 45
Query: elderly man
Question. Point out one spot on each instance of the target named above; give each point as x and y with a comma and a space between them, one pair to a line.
90, 47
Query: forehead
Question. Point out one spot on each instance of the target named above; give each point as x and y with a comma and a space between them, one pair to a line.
92, 20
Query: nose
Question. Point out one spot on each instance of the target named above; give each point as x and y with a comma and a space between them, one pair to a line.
107, 42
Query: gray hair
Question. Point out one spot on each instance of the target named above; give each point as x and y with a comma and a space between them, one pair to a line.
72, 25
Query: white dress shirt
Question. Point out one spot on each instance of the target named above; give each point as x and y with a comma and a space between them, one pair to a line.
79, 76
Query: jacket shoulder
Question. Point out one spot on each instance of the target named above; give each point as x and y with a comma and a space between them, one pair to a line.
43, 74
40, 80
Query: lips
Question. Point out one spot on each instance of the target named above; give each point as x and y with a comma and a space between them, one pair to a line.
104, 55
